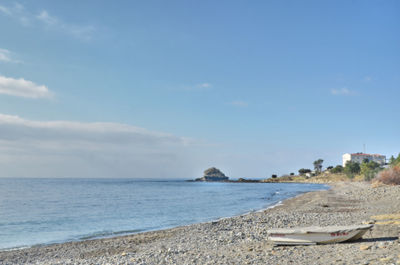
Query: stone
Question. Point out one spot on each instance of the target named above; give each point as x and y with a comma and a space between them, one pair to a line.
385, 259
381, 245
364, 247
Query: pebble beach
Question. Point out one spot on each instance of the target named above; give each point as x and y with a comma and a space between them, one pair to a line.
243, 239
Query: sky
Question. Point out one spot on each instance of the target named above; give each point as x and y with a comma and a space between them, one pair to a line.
166, 89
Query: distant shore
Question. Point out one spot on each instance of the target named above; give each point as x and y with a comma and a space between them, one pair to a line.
323, 178
242, 239
240, 180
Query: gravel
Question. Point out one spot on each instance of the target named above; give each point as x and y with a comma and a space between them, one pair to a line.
243, 239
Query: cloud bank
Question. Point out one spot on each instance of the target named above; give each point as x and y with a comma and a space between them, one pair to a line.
23, 88
30, 148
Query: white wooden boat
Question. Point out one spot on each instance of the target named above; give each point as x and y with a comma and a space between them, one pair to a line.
316, 235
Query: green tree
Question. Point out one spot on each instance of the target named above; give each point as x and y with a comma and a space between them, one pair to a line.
337, 169
303, 171
318, 165
365, 167
394, 161
351, 169
370, 169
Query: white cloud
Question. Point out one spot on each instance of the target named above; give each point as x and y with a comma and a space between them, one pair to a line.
76, 149
5, 55
342, 91
5, 10
198, 87
46, 18
43, 18
106, 133
23, 88
18, 13
239, 103
78, 31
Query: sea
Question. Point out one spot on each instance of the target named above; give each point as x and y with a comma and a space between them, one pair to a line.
36, 211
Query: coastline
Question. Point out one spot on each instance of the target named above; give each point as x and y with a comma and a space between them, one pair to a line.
231, 200
242, 239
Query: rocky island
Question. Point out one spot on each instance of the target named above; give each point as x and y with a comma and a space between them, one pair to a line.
213, 174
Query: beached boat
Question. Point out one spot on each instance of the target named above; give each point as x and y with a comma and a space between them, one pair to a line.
316, 235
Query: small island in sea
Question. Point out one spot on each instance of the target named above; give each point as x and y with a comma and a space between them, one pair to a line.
213, 174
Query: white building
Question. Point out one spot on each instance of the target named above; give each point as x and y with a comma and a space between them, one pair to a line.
360, 157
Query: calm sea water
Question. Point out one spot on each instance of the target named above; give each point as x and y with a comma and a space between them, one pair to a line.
42, 211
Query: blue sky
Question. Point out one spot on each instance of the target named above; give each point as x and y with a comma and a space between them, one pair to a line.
169, 88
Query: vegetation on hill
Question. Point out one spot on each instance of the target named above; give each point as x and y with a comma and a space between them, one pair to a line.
351, 169
367, 171
394, 161
318, 165
337, 169
391, 175
304, 171
370, 170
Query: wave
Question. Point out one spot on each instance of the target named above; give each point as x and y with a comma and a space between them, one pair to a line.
103, 234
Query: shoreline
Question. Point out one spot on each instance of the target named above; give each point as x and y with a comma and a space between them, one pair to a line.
142, 232
116, 234
242, 239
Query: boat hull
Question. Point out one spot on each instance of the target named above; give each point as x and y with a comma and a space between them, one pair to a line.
310, 236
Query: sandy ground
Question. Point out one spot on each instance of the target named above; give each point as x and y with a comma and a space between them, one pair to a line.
243, 239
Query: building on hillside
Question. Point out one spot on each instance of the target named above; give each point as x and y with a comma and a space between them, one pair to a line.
360, 157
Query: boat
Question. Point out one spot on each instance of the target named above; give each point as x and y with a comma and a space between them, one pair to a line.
317, 235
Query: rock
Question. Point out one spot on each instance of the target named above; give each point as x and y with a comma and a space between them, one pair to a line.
385, 259
381, 245
364, 247
213, 174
